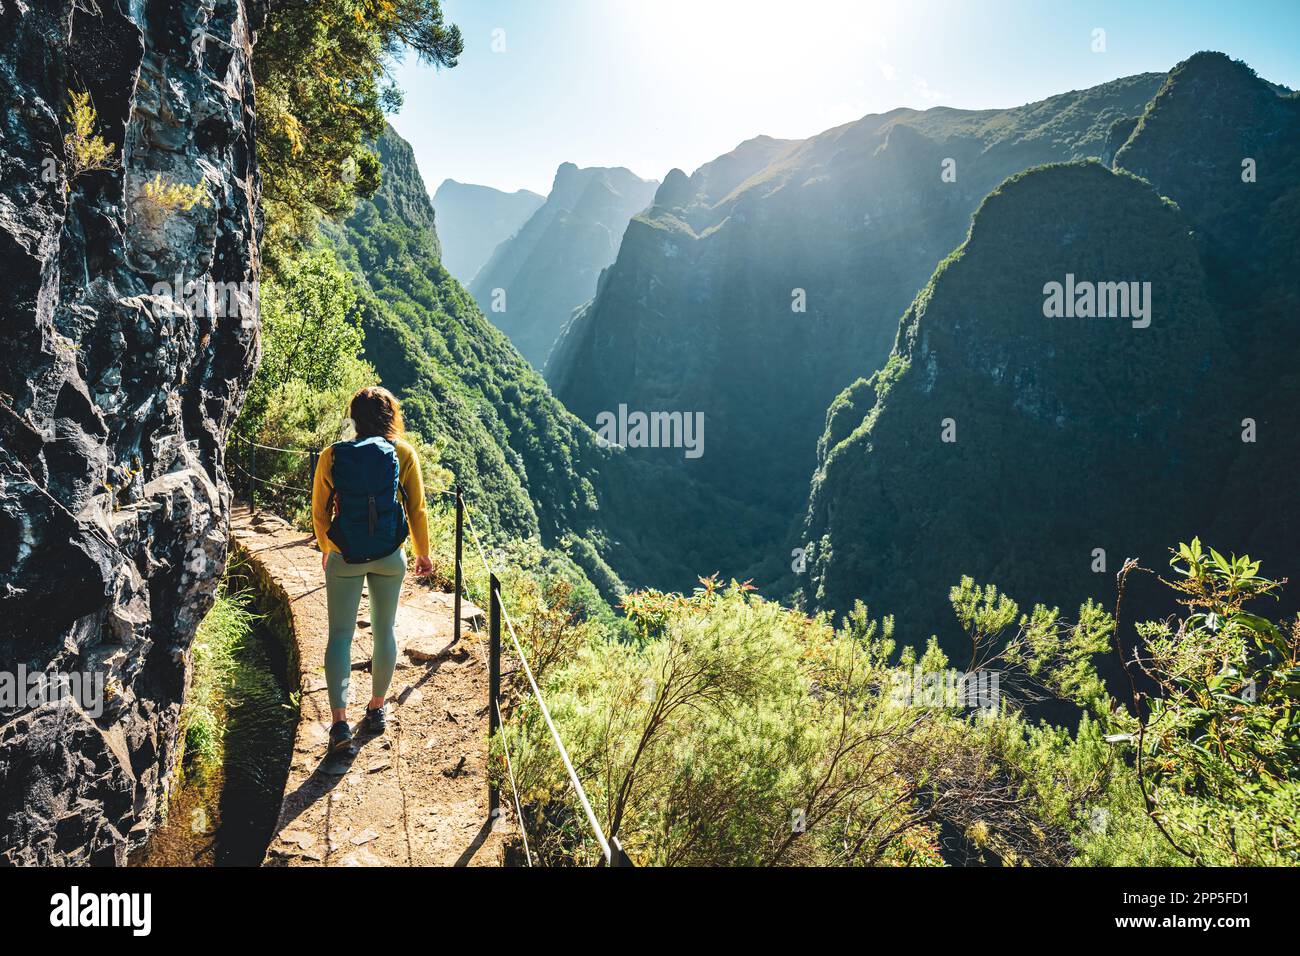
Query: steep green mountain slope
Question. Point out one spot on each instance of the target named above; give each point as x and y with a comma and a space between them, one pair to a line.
1213, 116
474, 220
699, 311
538, 276
528, 466
1074, 434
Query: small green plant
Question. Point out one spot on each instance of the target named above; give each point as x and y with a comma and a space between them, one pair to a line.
215, 669
1219, 751
84, 150
160, 198
129, 473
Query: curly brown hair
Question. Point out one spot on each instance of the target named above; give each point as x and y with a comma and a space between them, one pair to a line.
376, 411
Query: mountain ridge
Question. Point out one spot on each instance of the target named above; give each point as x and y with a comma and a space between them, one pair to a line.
533, 280
1152, 453
700, 311
473, 219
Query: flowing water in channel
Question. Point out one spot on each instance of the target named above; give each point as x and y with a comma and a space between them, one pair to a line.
227, 817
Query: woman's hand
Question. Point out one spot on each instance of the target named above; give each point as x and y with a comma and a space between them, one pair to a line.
423, 566
324, 559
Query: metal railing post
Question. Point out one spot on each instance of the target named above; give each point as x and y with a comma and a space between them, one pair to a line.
494, 681
252, 476
616, 855
460, 537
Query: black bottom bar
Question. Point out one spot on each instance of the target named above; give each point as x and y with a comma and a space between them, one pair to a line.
961, 907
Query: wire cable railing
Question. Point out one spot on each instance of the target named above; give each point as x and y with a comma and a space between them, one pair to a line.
247, 468
610, 848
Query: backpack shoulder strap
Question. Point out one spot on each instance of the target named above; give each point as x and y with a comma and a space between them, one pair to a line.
397, 453
334, 488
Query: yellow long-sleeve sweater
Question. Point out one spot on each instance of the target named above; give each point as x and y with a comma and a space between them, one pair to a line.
408, 475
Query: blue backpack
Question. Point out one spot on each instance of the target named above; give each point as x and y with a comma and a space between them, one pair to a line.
370, 522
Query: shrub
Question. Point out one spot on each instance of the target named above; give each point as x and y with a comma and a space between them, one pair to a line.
722, 729
310, 368
161, 198
734, 731
83, 149
214, 669
1217, 744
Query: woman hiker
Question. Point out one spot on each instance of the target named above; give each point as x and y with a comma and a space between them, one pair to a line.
366, 495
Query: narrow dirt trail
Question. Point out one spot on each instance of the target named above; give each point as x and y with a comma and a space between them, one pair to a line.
415, 796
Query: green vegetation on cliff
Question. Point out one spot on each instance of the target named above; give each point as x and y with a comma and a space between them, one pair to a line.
526, 464
322, 91
727, 730
759, 287
1040, 439
476, 409
1076, 436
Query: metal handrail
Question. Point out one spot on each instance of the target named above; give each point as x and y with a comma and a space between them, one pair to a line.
559, 744
287, 451
612, 850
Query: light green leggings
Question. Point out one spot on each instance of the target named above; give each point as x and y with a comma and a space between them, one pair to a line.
343, 597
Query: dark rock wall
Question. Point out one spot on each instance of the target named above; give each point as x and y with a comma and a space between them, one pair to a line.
117, 388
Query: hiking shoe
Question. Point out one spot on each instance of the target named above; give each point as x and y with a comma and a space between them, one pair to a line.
340, 737
375, 721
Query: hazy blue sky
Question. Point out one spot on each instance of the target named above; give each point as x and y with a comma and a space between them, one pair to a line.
653, 84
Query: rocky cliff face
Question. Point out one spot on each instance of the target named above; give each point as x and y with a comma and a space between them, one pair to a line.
130, 331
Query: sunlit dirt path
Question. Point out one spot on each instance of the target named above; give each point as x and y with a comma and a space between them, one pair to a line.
415, 796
